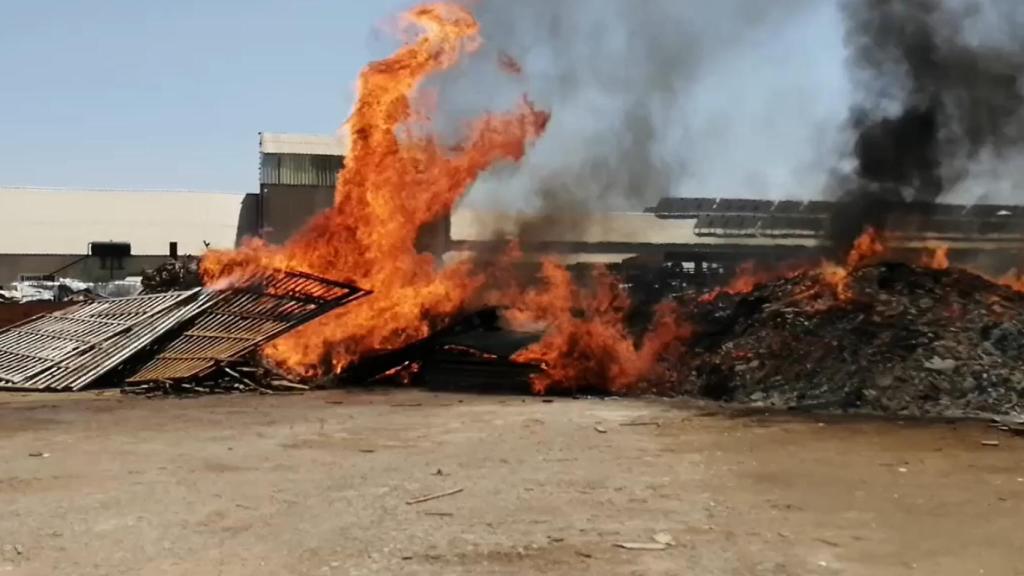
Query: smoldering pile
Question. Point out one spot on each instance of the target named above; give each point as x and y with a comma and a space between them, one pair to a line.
898, 339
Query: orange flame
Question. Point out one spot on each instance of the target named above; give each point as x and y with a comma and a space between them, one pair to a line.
866, 249
938, 259
749, 276
586, 344
397, 179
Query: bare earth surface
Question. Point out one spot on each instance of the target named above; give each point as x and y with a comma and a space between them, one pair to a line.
318, 484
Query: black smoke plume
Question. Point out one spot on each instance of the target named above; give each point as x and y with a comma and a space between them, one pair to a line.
940, 85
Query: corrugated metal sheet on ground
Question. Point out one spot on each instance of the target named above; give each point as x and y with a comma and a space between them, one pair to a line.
70, 348
187, 332
242, 319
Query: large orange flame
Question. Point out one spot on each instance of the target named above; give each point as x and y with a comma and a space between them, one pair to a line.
586, 344
397, 179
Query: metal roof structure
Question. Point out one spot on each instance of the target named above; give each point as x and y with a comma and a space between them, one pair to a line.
304, 144
70, 348
186, 333
738, 218
241, 320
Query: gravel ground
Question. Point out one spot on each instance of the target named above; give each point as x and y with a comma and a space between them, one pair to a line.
318, 484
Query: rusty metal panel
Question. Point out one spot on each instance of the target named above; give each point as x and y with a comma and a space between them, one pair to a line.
243, 318
70, 348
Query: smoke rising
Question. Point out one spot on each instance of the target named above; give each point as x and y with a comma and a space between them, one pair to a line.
952, 71
660, 98
938, 106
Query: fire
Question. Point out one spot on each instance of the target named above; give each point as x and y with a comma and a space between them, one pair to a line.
867, 248
748, 277
586, 344
397, 179
938, 259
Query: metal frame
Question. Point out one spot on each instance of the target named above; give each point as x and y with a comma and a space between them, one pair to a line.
67, 349
243, 318
189, 333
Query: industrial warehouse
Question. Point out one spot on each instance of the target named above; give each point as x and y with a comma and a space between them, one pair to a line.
576, 288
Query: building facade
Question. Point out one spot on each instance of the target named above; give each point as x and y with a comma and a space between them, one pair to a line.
298, 173
97, 235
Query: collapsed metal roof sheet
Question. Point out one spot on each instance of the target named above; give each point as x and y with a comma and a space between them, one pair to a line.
69, 348
185, 334
242, 319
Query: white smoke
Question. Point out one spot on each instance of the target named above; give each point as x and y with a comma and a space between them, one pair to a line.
741, 98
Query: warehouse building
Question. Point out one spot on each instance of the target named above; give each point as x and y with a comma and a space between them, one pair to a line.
297, 177
98, 235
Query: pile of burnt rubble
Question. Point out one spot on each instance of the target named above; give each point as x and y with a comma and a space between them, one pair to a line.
889, 339
902, 340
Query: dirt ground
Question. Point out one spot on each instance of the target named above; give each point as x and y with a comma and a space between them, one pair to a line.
318, 484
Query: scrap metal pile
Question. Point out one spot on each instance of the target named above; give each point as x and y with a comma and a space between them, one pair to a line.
902, 340
174, 275
194, 338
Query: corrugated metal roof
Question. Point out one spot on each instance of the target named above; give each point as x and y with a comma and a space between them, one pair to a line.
64, 221
300, 170
308, 144
607, 227
71, 348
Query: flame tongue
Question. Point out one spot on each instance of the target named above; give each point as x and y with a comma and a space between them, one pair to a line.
397, 178
586, 345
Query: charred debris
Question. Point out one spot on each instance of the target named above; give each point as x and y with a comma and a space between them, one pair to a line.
894, 338
904, 340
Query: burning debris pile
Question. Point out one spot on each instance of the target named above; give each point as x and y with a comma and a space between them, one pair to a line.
898, 339
857, 335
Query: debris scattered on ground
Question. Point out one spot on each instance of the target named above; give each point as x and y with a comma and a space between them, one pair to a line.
664, 538
990, 443
655, 424
600, 430
422, 499
39, 455
894, 339
583, 554
649, 546
223, 380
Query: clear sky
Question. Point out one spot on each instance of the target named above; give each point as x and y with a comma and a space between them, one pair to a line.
172, 93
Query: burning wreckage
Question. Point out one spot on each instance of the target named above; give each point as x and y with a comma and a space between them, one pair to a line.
881, 332
882, 323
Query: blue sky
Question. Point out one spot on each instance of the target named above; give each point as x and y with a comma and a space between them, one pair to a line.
172, 94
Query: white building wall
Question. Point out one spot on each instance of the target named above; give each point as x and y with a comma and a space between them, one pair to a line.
60, 221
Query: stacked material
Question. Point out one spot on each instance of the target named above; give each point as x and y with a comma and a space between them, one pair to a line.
895, 339
175, 336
